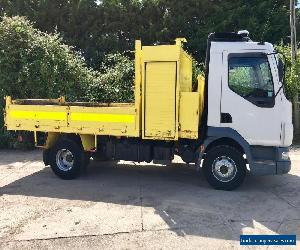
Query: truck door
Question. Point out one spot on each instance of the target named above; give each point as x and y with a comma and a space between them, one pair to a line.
160, 100
248, 103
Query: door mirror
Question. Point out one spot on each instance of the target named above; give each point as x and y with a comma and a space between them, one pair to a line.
281, 69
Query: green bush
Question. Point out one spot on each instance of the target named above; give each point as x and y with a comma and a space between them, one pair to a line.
35, 64
38, 65
198, 69
115, 81
292, 77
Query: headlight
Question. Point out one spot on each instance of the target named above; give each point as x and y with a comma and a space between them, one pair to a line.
285, 156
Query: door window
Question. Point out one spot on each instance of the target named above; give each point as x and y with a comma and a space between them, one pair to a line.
251, 78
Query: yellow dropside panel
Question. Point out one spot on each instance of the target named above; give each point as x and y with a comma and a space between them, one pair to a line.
104, 120
160, 100
32, 117
189, 115
116, 121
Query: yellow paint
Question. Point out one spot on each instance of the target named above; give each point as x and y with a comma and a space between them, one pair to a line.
186, 72
160, 86
113, 118
179, 41
7, 100
189, 115
38, 115
51, 139
138, 87
88, 142
201, 89
169, 53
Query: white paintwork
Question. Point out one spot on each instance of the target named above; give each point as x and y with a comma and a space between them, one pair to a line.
214, 89
257, 125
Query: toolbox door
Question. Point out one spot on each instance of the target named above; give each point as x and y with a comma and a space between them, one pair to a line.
160, 100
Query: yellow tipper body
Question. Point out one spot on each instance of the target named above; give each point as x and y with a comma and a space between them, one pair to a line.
165, 107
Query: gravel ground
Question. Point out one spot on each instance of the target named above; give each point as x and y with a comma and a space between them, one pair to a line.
127, 206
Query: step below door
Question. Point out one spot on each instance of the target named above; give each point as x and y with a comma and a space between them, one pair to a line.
160, 100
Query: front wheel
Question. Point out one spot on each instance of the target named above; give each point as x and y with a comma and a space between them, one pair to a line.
224, 167
67, 159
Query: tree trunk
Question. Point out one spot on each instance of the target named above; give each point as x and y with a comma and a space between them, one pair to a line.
296, 114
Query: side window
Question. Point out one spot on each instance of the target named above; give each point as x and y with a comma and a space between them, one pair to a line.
251, 78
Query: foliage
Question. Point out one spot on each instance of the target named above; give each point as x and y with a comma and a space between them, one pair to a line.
298, 22
115, 82
198, 69
35, 64
292, 75
98, 28
6, 138
241, 80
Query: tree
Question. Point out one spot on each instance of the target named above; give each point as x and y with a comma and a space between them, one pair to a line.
110, 26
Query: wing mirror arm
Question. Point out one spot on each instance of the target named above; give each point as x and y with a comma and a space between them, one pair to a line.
281, 73
279, 90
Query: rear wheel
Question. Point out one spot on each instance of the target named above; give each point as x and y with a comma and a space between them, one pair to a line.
224, 167
67, 159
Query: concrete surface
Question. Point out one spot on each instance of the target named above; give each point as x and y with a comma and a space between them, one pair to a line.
129, 206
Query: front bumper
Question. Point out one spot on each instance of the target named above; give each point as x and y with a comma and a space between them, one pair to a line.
283, 167
269, 161
270, 167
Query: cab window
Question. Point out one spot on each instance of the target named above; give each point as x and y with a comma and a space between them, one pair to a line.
251, 78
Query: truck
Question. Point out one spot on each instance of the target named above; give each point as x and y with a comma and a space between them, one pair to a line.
235, 120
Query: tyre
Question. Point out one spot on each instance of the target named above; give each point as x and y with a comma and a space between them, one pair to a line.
224, 167
67, 159
87, 159
46, 157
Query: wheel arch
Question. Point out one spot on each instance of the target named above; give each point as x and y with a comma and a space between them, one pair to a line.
225, 141
226, 136
87, 142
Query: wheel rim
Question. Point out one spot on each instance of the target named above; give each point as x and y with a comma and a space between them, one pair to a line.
224, 169
64, 160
